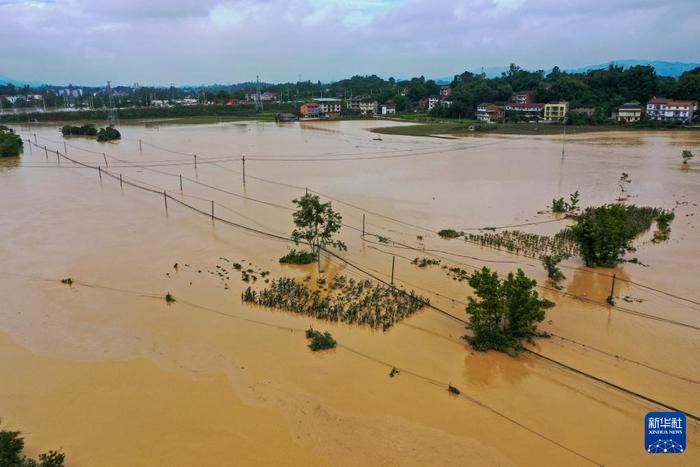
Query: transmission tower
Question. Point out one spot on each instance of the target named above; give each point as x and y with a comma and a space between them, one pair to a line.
112, 117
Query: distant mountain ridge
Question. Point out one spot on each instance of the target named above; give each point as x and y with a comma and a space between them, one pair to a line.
663, 68
5, 80
672, 69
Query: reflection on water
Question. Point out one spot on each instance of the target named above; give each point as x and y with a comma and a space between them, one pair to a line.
7, 163
487, 368
598, 284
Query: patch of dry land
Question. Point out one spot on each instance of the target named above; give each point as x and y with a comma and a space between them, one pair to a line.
110, 372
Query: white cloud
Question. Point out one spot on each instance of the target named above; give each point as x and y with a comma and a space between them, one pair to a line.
189, 41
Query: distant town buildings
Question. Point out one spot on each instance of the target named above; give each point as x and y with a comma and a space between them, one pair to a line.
445, 91
432, 102
442, 101
70, 92
266, 96
556, 111
669, 110
583, 110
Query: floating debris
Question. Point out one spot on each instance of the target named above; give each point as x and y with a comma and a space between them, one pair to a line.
425, 262
169, 298
453, 389
394, 372
67, 281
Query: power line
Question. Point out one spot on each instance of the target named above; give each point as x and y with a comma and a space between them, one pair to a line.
551, 289
359, 268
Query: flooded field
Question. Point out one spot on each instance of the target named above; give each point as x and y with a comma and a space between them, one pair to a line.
108, 371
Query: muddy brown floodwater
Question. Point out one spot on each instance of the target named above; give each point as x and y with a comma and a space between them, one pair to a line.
108, 371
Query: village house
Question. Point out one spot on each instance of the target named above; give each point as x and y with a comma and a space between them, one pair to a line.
669, 110
629, 112
388, 108
532, 111
583, 110
329, 107
310, 110
432, 102
363, 104
445, 91
556, 111
489, 113
522, 97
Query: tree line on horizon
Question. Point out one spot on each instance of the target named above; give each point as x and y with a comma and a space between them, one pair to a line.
604, 89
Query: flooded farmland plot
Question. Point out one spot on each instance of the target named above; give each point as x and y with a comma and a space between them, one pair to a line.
105, 367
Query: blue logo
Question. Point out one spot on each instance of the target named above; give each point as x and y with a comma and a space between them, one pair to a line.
664, 432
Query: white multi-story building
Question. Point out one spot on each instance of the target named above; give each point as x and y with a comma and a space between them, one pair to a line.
629, 112
329, 106
669, 110
363, 104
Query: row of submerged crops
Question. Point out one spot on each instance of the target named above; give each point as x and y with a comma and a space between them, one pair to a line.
346, 300
527, 244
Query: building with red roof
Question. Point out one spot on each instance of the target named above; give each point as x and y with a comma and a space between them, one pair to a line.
670, 110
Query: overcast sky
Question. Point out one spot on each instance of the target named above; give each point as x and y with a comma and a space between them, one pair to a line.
205, 41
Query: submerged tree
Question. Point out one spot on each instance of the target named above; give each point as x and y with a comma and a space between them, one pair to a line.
316, 224
108, 134
622, 183
11, 447
505, 312
551, 265
605, 233
10, 143
561, 206
686, 155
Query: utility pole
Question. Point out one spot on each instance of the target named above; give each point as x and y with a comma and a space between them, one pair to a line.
243, 161
393, 263
563, 139
611, 298
258, 102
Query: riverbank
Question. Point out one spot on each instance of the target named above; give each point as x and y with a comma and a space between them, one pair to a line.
189, 114
470, 127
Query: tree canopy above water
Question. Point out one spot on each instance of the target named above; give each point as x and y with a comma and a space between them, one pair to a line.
10, 143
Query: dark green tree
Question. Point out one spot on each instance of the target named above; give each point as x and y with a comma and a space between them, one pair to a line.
316, 224
11, 446
108, 134
505, 312
605, 233
10, 143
